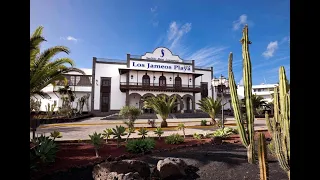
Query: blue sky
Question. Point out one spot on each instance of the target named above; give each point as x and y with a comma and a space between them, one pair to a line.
206, 31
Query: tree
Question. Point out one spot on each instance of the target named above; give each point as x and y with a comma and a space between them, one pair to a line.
182, 127
162, 105
44, 70
131, 113
257, 103
211, 107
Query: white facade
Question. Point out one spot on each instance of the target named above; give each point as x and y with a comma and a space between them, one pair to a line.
263, 90
80, 89
127, 82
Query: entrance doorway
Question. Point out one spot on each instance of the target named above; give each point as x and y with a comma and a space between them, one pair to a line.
105, 90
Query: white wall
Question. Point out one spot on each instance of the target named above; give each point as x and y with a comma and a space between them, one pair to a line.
44, 102
117, 98
134, 101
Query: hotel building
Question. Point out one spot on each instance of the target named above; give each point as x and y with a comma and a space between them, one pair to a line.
117, 83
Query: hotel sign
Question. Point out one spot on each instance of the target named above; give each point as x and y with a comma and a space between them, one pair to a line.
162, 54
160, 66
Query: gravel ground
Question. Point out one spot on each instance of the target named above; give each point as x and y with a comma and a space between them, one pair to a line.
220, 162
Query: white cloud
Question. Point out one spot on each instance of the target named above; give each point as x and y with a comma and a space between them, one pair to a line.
176, 32
241, 82
154, 13
286, 39
243, 19
271, 48
210, 56
154, 9
70, 38
270, 62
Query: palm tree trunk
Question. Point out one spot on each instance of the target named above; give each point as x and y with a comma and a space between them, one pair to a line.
164, 123
128, 136
184, 134
96, 150
213, 121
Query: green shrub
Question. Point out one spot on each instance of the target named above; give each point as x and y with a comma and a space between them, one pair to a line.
203, 122
140, 145
222, 132
174, 139
197, 136
208, 135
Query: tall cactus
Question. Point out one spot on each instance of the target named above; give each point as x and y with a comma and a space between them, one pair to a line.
262, 156
246, 134
280, 123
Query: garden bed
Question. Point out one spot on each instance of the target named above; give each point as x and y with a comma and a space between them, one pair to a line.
60, 119
80, 156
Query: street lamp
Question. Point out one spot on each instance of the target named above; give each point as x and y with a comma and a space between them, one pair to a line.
222, 82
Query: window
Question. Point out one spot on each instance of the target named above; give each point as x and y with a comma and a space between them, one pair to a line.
177, 82
162, 81
77, 79
145, 80
204, 90
72, 78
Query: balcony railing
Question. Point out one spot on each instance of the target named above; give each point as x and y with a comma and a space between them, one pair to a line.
156, 87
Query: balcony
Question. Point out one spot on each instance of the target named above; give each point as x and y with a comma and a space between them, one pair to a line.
155, 87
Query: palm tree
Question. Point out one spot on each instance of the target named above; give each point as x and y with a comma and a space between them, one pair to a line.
162, 105
44, 70
211, 107
257, 103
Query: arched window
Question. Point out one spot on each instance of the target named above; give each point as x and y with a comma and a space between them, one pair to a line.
145, 80
162, 81
177, 82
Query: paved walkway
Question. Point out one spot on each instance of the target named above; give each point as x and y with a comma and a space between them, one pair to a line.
81, 130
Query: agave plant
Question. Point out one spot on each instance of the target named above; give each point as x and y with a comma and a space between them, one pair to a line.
118, 132
107, 133
161, 105
182, 127
158, 132
97, 141
56, 134
211, 107
143, 132
45, 149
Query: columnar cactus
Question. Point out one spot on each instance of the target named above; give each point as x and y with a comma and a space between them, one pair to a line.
262, 156
280, 123
246, 134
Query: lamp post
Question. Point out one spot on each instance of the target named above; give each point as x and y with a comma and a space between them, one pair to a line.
222, 82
